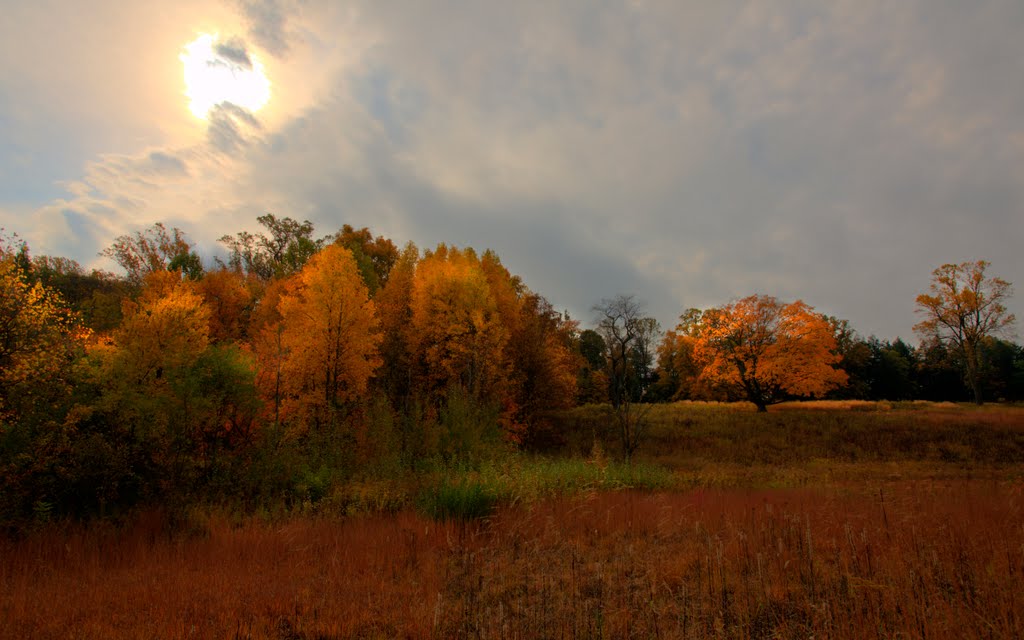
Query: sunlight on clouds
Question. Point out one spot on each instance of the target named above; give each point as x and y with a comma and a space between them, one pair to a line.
218, 72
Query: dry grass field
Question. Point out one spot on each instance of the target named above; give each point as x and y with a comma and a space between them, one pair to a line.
905, 542
911, 559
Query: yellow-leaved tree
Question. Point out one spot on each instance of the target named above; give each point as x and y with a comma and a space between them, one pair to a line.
767, 350
964, 307
39, 338
326, 341
457, 330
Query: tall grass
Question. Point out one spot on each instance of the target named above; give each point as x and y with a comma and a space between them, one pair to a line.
908, 559
689, 435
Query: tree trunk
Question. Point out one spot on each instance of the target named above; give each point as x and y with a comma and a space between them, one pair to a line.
973, 377
761, 406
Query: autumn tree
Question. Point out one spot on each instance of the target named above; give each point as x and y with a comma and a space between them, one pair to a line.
96, 295
39, 339
230, 299
963, 307
458, 344
155, 249
538, 356
328, 339
629, 338
544, 365
678, 369
458, 334
768, 350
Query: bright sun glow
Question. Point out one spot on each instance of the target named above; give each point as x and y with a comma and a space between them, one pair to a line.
218, 72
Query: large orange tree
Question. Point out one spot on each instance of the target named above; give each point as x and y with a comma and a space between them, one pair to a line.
767, 350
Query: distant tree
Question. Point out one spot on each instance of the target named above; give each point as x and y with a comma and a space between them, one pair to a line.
854, 358
939, 372
283, 250
152, 250
891, 370
768, 350
1002, 368
375, 256
394, 311
629, 338
678, 370
96, 295
591, 381
965, 306
543, 366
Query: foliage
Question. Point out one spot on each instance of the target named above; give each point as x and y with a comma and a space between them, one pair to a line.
768, 350
230, 300
325, 343
39, 338
457, 331
341, 375
375, 256
965, 306
463, 500
153, 250
283, 250
96, 296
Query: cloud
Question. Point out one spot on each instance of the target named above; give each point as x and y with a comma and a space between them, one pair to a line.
686, 152
162, 162
268, 21
230, 126
234, 51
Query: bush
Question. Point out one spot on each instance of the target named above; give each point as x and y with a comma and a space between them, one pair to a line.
462, 500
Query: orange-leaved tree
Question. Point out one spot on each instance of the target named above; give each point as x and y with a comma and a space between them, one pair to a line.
457, 330
768, 350
230, 299
678, 370
458, 353
964, 307
327, 339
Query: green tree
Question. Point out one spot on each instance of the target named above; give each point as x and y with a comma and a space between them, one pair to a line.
283, 250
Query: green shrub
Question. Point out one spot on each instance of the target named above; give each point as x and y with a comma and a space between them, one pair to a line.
461, 500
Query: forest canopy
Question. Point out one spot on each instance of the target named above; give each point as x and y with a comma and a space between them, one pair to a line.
298, 361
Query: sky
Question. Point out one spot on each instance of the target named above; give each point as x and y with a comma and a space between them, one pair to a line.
685, 152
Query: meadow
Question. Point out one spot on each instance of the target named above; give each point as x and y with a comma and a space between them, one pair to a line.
841, 520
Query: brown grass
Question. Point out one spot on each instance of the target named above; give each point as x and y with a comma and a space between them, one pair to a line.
900, 559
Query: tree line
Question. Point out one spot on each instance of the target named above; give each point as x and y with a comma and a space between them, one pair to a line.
296, 362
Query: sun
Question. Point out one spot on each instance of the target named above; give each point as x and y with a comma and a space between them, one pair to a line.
222, 71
